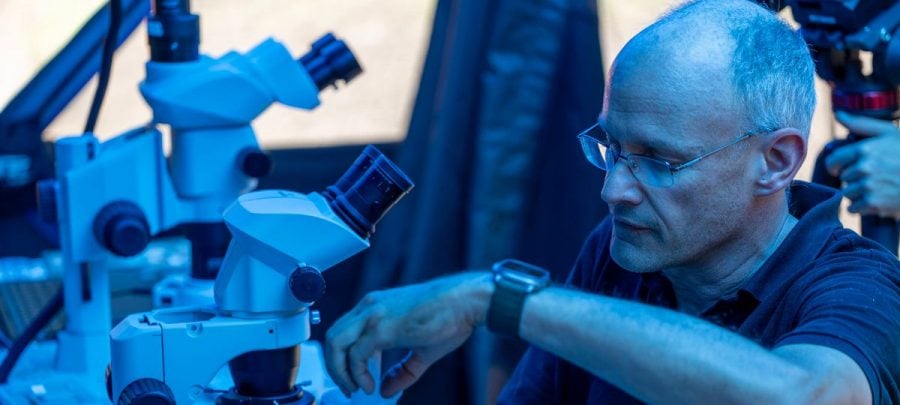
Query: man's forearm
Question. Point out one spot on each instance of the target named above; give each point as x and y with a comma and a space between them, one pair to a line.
655, 354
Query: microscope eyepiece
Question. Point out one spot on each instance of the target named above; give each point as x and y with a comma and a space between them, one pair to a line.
359, 167
330, 60
368, 190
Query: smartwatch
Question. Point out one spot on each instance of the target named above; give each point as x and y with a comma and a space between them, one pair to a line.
514, 280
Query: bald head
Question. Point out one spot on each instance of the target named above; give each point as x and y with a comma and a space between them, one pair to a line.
694, 35
733, 53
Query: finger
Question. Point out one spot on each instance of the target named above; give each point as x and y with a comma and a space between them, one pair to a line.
338, 339
864, 125
403, 374
852, 173
336, 366
860, 206
854, 190
841, 158
358, 359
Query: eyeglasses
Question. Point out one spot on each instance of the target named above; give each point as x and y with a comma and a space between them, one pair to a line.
649, 170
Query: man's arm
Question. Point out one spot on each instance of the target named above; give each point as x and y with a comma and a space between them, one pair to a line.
659, 355
655, 354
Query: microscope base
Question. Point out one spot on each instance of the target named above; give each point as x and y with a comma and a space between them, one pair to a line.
36, 381
183, 348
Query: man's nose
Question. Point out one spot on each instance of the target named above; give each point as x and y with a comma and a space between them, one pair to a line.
620, 186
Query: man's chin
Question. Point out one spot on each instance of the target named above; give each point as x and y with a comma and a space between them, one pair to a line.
631, 257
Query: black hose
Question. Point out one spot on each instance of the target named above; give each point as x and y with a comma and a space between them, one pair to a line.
18, 347
109, 46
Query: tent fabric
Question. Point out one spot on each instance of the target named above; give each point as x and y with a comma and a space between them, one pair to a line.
506, 86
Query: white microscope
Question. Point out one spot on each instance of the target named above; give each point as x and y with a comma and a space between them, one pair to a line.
281, 243
110, 198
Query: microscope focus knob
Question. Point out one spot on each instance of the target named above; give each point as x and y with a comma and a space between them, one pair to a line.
254, 162
307, 284
147, 391
121, 227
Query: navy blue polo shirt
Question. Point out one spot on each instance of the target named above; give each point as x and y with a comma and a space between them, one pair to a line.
825, 285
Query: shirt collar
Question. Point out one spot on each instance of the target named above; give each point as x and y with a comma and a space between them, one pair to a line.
816, 207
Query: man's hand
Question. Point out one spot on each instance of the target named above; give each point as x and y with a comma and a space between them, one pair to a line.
869, 169
431, 319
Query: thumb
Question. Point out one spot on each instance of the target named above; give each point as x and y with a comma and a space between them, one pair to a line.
844, 156
403, 374
864, 125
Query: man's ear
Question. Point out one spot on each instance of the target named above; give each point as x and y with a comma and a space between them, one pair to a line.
783, 153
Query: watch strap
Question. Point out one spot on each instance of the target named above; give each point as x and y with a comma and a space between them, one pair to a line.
505, 311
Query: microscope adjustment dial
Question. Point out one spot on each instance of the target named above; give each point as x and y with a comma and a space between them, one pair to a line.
147, 391
307, 284
254, 162
121, 227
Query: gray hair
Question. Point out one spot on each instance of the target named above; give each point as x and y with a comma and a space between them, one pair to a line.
771, 67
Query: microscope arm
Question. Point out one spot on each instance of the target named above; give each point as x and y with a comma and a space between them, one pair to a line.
281, 242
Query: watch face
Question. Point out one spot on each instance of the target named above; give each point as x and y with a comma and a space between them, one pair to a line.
520, 275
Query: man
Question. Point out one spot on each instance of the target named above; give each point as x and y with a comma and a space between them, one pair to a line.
709, 281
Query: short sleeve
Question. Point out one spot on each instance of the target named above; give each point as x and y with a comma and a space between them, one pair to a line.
854, 307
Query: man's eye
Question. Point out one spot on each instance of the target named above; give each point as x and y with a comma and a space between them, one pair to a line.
653, 154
